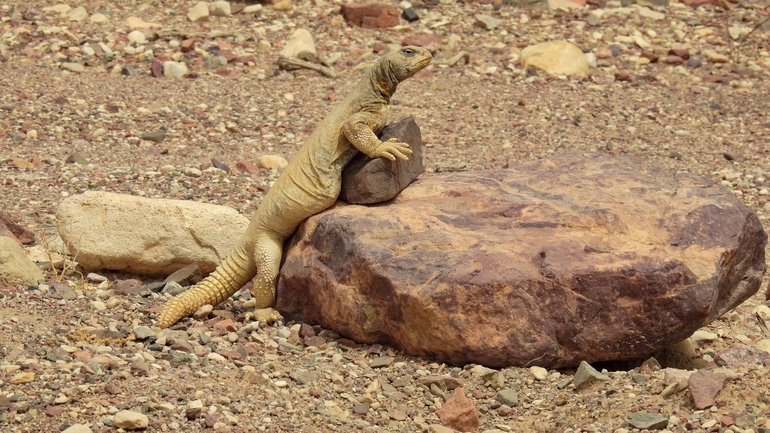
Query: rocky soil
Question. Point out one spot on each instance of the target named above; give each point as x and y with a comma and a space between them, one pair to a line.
80, 110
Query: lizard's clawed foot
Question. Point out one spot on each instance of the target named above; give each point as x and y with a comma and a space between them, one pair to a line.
266, 315
393, 149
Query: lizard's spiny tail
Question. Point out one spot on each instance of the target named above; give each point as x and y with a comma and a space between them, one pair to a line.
237, 269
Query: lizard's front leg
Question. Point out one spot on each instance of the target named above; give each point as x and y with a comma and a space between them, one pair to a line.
360, 134
267, 257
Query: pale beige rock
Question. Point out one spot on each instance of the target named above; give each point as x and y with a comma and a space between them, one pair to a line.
73, 67
272, 162
137, 37
138, 23
646, 12
556, 57
199, 12
59, 8
173, 69
130, 420
78, 14
25, 377
78, 428
147, 236
97, 18
15, 266
252, 9
220, 8
301, 45
565, 5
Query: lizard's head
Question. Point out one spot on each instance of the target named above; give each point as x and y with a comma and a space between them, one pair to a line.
407, 61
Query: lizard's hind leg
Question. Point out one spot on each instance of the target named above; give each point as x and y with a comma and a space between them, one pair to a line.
237, 269
267, 256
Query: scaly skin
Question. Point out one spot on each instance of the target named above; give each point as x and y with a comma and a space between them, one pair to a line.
308, 185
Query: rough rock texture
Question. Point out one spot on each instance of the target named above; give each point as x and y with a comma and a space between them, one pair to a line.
459, 412
15, 266
147, 236
366, 180
556, 57
575, 257
18, 232
371, 15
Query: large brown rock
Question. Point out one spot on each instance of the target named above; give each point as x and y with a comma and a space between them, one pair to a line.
366, 180
576, 257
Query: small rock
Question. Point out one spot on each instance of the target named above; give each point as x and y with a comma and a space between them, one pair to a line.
272, 162
508, 397
220, 8
586, 374
382, 361
410, 15
539, 373
24, 377
128, 71
154, 136
143, 332
459, 412
77, 428
361, 408
77, 158
715, 57
98, 18
137, 37
487, 22
704, 386
130, 420
701, 335
174, 69
741, 355
203, 311
649, 13
556, 57
649, 421
73, 67
199, 12
603, 53
77, 14
138, 23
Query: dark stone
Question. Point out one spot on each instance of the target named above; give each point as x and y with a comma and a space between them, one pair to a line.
220, 165
367, 181
77, 158
410, 15
580, 256
694, 63
128, 71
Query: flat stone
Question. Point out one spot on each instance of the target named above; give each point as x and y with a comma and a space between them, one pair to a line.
649, 421
741, 355
186, 276
130, 420
147, 236
508, 397
586, 375
549, 252
366, 180
77, 428
21, 233
704, 386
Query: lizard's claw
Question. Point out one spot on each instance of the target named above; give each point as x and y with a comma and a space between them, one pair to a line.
267, 315
393, 149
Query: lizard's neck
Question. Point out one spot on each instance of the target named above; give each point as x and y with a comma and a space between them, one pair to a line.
382, 80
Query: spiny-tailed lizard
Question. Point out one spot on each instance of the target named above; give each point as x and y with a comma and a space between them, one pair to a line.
309, 184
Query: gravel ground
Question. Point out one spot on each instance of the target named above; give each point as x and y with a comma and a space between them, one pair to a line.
83, 353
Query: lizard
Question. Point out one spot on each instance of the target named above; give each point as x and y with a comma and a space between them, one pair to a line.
309, 184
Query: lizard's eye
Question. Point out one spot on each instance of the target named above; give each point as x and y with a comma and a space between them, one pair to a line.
408, 51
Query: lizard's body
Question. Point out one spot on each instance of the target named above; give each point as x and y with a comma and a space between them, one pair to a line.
308, 185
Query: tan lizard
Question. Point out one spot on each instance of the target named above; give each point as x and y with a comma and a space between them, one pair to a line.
308, 185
